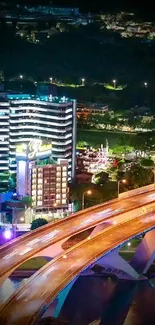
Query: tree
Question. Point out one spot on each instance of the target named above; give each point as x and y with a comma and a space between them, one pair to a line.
38, 223
119, 150
101, 178
100, 193
147, 163
143, 143
138, 177
27, 200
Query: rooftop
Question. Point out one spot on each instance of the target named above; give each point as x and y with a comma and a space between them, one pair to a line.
50, 98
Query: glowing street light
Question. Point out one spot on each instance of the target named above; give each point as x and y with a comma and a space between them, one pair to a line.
83, 81
51, 79
89, 192
21, 76
7, 234
123, 181
129, 244
145, 84
114, 82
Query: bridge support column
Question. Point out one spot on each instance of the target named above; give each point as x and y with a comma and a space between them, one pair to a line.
62, 297
145, 253
100, 227
114, 261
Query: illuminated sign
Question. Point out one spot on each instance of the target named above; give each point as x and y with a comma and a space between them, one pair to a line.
33, 149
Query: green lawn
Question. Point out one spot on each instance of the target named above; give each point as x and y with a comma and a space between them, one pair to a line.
96, 137
127, 252
33, 264
134, 243
127, 255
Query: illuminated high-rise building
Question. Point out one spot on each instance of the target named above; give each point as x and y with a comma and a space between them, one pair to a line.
4, 135
47, 118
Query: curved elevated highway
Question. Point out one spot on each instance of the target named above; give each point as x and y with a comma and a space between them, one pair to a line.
19, 250
27, 304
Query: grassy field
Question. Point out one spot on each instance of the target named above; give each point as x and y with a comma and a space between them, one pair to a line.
33, 264
96, 137
127, 252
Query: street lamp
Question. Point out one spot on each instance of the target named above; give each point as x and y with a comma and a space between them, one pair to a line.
123, 181
83, 197
145, 84
83, 81
114, 82
21, 76
51, 79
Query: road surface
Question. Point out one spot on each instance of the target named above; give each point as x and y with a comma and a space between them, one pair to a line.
25, 306
21, 249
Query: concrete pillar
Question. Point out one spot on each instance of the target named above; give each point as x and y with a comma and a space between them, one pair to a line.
145, 253
114, 261
62, 297
55, 307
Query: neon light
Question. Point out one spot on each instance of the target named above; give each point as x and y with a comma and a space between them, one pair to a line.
34, 148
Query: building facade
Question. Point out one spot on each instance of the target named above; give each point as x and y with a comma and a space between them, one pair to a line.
47, 118
49, 186
4, 135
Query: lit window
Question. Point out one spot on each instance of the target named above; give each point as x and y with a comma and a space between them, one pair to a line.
63, 179
64, 184
63, 201
58, 180
57, 196
64, 190
39, 203
64, 196
64, 174
58, 168
58, 201
39, 181
64, 168
58, 174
